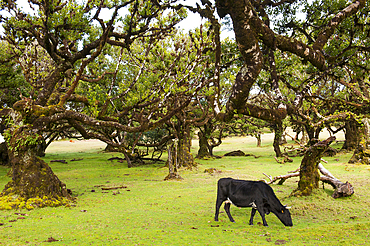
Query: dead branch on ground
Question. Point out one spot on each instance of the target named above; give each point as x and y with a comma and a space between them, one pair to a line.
341, 189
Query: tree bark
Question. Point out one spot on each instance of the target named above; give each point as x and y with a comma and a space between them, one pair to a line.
247, 41
172, 162
362, 152
4, 159
33, 183
351, 135
128, 159
203, 151
259, 141
184, 156
278, 129
309, 176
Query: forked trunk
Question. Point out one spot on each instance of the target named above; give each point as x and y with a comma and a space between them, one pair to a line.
172, 162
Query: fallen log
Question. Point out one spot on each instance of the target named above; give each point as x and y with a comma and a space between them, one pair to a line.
235, 153
114, 188
116, 158
239, 153
341, 189
61, 161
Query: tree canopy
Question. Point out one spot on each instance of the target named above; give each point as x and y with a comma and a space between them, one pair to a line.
106, 69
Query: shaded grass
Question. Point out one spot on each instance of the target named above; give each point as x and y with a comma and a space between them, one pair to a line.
151, 211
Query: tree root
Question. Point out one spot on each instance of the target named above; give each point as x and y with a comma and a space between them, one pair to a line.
173, 176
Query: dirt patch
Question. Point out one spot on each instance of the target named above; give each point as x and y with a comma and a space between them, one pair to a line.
91, 144
75, 146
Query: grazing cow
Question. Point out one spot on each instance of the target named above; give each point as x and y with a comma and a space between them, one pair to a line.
255, 194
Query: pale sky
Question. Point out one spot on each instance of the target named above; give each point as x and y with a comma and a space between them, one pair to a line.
194, 20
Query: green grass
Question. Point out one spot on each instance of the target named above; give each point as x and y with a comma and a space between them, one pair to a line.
151, 211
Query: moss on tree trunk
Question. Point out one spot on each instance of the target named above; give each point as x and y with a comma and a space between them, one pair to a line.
203, 151
278, 129
184, 156
362, 152
33, 183
309, 175
172, 163
351, 134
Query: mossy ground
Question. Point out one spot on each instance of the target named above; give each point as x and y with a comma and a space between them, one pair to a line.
9, 202
150, 211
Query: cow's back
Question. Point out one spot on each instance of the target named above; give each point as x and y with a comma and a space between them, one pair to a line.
244, 192
228, 186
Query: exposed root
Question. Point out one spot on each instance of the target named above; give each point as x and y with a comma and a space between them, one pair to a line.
173, 176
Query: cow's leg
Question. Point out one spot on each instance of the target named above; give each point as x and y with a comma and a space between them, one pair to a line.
227, 209
262, 213
218, 205
252, 216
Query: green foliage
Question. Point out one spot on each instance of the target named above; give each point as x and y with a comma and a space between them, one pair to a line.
12, 82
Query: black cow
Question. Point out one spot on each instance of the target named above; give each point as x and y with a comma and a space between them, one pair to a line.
255, 194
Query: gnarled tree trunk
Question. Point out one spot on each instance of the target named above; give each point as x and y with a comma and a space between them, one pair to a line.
184, 156
341, 189
351, 135
309, 176
172, 162
33, 183
362, 152
278, 129
203, 151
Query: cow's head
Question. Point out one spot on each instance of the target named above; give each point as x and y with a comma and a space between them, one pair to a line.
284, 215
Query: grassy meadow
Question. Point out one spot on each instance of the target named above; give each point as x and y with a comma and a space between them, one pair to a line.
150, 211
